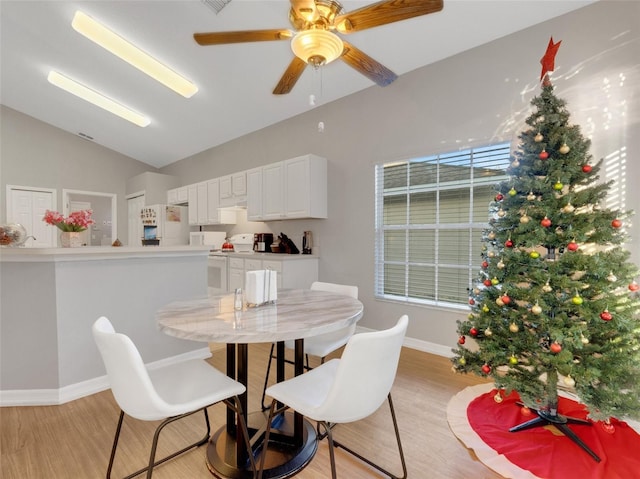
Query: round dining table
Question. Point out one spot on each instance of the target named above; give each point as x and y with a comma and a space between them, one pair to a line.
295, 315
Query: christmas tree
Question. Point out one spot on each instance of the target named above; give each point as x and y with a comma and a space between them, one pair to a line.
556, 302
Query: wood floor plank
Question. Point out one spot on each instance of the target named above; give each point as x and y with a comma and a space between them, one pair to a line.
73, 440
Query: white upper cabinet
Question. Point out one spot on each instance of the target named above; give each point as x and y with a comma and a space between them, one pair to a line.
213, 200
254, 194
192, 199
305, 187
178, 196
295, 188
273, 191
203, 213
233, 189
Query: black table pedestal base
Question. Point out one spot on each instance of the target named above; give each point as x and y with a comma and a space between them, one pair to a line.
284, 458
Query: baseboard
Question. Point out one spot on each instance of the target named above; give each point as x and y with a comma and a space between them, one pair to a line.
419, 345
54, 397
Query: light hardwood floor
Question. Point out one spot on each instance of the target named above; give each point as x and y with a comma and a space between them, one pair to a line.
74, 440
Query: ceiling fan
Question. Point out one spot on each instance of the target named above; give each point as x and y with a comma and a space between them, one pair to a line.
314, 41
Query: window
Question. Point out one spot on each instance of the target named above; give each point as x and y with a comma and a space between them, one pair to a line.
430, 214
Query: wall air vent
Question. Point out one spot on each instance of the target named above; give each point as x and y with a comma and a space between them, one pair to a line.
216, 5
85, 136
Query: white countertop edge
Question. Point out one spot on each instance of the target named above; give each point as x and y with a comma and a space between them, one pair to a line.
92, 253
265, 256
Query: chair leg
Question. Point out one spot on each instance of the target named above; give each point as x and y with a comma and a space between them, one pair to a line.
332, 457
266, 378
400, 450
273, 410
115, 444
156, 436
236, 405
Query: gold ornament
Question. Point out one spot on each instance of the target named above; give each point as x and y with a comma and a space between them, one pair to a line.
584, 339
612, 278
513, 327
568, 208
531, 196
538, 138
536, 309
515, 163
501, 213
498, 397
569, 381
491, 235
547, 287
500, 264
488, 332
564, 149
524, 219
499, 302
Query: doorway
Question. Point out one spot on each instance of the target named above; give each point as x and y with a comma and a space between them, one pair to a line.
104, 205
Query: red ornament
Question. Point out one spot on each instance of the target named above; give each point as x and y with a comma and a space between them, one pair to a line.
461, 340
555, 348
473, 331
472, 301
485, 264
486, 368
586, 168
633, 286
487, 282
505, 299
508, 243
543, 155
616, 223
573, 246
499, 197
546, 222
606, 315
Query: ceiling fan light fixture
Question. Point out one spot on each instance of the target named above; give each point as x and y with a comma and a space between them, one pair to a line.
317, 47
114, 43
96, 98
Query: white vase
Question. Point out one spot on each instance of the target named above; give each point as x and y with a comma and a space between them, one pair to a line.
70, 239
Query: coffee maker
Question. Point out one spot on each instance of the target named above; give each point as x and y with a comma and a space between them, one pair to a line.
262, 242
307, 242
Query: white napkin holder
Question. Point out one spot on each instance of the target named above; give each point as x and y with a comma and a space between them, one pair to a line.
261, 287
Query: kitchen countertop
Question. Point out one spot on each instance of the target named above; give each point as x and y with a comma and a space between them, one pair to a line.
86, 253
267, 256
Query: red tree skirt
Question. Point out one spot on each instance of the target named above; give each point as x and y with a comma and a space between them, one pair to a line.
483, 425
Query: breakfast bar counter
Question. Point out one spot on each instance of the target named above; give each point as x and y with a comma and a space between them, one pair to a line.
50, 297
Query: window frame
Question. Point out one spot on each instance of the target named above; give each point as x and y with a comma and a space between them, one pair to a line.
503, 158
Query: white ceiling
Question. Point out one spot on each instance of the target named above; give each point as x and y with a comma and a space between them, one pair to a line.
235, 81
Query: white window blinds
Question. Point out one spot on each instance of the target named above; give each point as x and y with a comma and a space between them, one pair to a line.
430, 213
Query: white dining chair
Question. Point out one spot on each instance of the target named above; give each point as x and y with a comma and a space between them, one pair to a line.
167, 393
322, 345
345, 390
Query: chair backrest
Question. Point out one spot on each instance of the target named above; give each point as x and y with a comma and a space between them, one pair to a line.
128, 376
365, 374
345, 289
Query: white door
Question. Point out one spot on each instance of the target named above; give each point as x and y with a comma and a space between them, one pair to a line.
134, 205
85, 236
27, 207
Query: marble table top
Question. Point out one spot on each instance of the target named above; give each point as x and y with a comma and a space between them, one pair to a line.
298, 313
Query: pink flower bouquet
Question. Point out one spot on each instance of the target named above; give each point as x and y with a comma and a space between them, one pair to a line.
76, 221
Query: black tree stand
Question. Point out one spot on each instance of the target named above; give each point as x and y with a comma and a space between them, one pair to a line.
549, 416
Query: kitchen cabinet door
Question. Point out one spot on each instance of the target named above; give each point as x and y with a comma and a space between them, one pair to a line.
254, 194
305, 187
273, 191
203, 214
213, 201
172, 196
192, 195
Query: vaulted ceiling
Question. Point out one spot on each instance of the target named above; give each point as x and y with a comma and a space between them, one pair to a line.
235, 81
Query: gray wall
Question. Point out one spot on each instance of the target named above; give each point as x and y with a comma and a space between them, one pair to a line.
476, 97
35, 154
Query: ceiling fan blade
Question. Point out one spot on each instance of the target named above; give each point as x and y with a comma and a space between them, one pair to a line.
221, 38
290, 77
381, 13
366, 65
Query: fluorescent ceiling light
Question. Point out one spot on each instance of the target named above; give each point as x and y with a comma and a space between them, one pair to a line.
96, 98
131, 54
